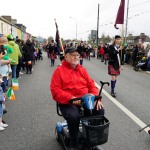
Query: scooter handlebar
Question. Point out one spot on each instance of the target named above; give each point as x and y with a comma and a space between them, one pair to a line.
80, 98
103, 83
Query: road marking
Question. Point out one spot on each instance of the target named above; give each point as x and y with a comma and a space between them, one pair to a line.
125, 110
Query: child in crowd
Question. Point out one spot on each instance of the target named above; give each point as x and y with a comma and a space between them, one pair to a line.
7, 50
2, 99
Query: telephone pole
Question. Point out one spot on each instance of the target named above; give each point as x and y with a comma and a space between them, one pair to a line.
127, 22
97, 40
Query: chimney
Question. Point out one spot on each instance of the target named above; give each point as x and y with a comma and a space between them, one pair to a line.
14, 21
130, 35
142, 34
8, 18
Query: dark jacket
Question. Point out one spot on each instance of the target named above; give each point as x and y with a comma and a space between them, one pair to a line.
106, 51
113, 58
81, 49
52, 49
28, 50
135, 52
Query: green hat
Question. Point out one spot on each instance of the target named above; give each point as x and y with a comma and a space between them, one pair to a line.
10, 36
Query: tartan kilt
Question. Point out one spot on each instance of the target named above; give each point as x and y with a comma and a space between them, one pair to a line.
53, 56
112, 71
106, 56
82, 55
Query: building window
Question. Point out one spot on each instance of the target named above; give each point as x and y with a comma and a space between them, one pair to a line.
1, 27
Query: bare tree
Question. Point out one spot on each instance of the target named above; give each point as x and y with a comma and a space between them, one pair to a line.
105, 39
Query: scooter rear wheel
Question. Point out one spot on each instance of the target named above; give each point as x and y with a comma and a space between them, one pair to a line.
57, 135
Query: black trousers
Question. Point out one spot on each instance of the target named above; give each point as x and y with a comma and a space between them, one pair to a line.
19, 67
28, 67
71, 113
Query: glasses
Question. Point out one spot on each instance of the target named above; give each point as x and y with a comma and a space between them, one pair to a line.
75, 55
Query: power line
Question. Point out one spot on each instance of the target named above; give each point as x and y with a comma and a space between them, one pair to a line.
141, 13
105, 24
139, 4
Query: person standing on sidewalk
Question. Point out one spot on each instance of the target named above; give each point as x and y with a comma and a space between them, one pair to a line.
106, 54
15, 55
81, 50
115, 62
28, 50
2, 96
2, 99
148, 64
135, 52
102, 52
20, 61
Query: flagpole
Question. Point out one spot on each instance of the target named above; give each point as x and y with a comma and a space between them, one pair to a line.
97, 25
122, 37
127, 22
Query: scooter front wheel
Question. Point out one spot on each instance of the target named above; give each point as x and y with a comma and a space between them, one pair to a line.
57, 135
97, 148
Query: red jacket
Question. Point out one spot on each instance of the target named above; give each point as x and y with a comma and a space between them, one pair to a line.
101, 51
67, 83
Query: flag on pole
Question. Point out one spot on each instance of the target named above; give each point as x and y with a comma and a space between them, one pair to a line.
10, 94
58, 39
15, 84
120, 14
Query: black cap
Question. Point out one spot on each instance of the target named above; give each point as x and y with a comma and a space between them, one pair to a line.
70, 50
117, 36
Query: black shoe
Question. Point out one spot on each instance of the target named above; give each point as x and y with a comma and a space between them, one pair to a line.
3, 122
4, 111
26, 72
113, 94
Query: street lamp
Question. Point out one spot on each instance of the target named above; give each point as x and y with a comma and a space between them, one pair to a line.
76, 25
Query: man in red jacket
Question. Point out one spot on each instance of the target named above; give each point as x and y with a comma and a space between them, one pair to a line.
71, 80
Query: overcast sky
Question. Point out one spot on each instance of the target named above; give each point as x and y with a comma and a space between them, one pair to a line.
38, 16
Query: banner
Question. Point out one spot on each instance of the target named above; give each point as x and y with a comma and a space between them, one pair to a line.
58, 39
120, 14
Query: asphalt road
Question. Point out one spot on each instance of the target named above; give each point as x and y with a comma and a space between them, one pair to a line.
32, 117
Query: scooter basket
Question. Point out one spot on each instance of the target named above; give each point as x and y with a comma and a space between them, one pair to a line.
95, 130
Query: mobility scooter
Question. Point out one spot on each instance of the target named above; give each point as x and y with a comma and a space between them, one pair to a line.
93, 130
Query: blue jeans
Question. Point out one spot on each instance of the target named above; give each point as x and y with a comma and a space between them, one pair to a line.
81, 61
1, 109
3, 84
13, 68
148, 64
